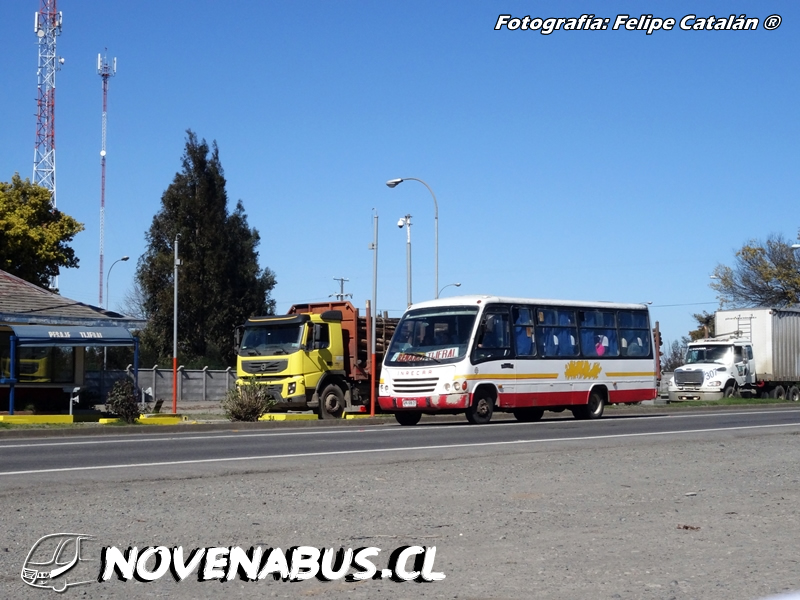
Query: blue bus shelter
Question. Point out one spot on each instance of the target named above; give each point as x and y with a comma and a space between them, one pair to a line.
44, 336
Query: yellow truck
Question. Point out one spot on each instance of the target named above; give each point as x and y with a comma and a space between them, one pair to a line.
317, 357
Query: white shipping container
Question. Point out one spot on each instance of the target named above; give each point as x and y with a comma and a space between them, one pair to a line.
775, 335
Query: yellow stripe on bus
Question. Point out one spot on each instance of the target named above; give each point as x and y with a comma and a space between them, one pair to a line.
512, 376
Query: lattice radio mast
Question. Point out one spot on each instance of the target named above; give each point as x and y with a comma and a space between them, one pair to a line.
47, 26
105, 70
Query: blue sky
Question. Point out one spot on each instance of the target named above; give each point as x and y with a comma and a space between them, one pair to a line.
587, 165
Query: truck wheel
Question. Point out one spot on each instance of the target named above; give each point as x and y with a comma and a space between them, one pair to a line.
591, 410
528, 415
778, 392
331, 402
410, 417
793, 394
730, 391
481, 409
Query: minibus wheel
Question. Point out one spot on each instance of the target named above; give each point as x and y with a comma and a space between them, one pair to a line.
528, 415
410, 417
481, 409
592, 409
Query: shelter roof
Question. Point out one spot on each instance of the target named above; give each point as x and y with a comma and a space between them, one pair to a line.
25, 303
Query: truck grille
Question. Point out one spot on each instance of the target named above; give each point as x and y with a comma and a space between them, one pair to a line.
415, 386
689, 377
258, 367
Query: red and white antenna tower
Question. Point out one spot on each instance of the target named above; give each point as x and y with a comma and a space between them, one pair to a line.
105, 70
47, 26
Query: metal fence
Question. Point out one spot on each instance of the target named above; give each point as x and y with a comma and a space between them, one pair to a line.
194, 385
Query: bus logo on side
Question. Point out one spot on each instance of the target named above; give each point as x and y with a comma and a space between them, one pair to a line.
52, 558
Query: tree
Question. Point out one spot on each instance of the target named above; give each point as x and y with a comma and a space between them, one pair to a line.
34, 234
674, 356
763, 275
705, 326
220, 282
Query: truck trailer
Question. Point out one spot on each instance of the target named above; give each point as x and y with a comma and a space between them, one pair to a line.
755, 352
317, 357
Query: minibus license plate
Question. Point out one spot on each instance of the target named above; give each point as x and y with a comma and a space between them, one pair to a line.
409, 403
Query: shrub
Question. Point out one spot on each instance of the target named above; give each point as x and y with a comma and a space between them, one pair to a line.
122, 401
246, 402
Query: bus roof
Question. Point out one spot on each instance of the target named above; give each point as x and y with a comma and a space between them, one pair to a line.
479, 300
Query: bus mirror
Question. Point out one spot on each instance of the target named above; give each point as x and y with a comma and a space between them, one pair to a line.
237, 338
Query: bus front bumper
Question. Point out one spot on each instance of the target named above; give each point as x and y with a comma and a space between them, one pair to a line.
425, 403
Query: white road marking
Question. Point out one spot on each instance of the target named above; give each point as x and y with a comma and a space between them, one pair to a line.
365, 429
381, 450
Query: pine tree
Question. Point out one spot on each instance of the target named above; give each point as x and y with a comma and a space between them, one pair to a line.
220, 282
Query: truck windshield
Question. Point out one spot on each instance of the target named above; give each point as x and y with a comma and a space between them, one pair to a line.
432, 335
271, 339
709, 354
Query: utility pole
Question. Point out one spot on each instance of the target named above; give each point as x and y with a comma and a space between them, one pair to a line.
175, 331
341, 295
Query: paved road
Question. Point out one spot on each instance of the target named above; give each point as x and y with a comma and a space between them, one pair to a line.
681, 506
23, 458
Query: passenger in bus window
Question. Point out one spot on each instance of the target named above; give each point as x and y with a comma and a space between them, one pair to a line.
524, 341
441, 337
599, 347
424, 336
489, 339
523, 332
404, 337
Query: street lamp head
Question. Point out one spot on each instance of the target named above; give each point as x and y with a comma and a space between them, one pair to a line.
795, 246
124, 258
394, 182
447, 286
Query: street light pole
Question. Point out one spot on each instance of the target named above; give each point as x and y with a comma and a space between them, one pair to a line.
394, 183
447, 286
105, 348
406, 222
108, 277
175, 332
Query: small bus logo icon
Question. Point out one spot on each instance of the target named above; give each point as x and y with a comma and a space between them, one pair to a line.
52, 558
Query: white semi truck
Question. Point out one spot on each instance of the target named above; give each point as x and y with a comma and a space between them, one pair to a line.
755, 352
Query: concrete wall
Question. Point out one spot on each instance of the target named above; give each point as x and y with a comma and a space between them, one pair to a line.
194, 385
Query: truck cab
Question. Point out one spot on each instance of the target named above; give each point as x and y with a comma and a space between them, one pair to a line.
294, 356
316, 357
714, 368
